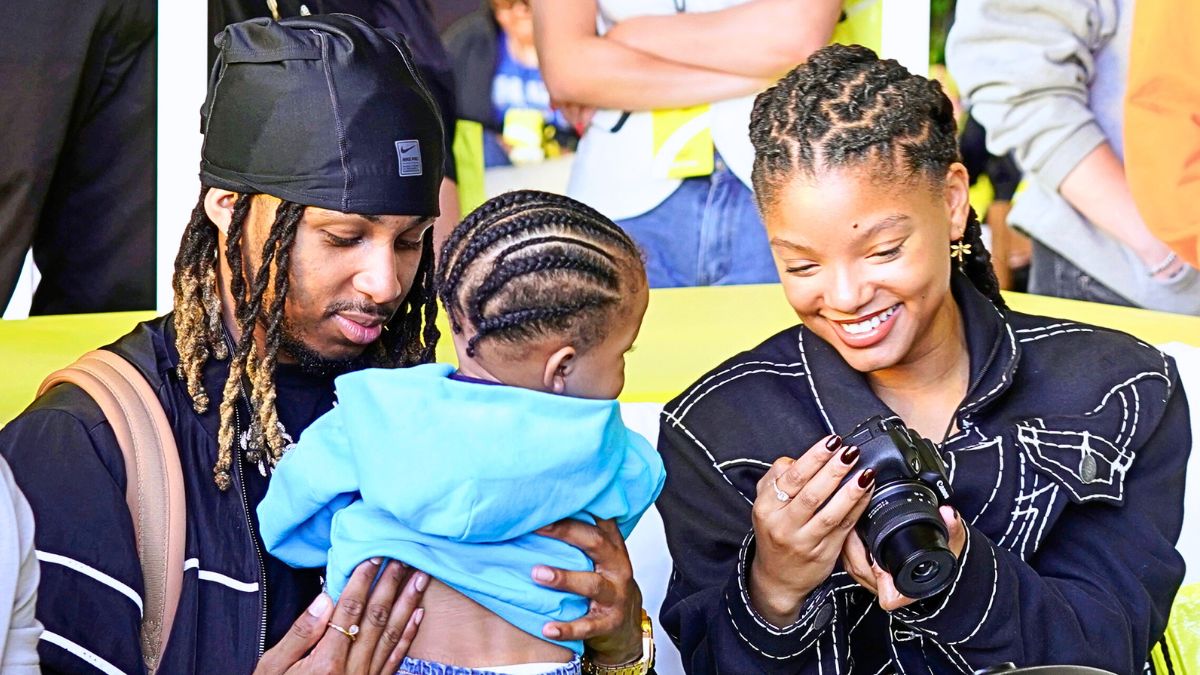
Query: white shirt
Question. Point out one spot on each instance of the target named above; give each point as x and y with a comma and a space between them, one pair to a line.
612, 171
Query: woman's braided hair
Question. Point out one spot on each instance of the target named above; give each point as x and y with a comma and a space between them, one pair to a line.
409, 338
527, 264
845, 106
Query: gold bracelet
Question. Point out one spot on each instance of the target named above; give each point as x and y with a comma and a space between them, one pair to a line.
639, 666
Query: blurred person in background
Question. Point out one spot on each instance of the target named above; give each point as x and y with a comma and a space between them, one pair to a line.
1049, 86
666, 153
77, 171
1162, 130
19, 628
499, 85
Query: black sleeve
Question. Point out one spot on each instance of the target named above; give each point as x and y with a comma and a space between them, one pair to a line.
1097, 593
707, 610
67, 462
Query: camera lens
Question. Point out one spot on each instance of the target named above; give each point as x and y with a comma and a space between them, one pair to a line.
905, 533
925, 570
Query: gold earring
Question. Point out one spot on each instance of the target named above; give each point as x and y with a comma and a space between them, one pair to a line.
959, 251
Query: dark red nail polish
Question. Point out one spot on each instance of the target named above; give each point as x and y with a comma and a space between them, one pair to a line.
833, 443
849, 456
866, 478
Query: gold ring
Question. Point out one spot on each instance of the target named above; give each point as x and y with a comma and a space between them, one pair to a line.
352, 633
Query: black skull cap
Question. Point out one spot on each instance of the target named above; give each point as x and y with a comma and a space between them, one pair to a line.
322, 111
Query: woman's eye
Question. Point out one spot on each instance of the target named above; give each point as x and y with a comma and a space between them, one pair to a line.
408, 245
887, 254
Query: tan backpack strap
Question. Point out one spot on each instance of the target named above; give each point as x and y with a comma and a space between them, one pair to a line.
154, 482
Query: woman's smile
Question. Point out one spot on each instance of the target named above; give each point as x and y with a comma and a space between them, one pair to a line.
867, 330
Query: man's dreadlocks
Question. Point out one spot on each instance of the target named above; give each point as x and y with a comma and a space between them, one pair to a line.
409, 338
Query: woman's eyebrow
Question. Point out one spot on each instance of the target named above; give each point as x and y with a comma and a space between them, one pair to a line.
888, 222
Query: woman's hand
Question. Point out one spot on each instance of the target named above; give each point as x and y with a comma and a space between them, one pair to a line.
871, 576
384, 618
801, 520
612, 628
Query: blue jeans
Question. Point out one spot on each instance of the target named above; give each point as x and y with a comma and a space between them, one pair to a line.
1051, 274
412, 666
707, 233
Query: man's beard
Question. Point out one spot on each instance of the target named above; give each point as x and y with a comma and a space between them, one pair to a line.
312, 362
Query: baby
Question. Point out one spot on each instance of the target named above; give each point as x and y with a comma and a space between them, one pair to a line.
453, 470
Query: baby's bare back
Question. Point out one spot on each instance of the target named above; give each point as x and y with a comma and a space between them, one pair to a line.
459, 631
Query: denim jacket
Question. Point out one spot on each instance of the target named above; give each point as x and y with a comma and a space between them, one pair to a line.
1067, 467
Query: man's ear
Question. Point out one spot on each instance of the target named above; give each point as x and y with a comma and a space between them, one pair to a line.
559, 367
218, 204
958, 199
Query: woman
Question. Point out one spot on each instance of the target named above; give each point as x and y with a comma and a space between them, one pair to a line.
1065, 444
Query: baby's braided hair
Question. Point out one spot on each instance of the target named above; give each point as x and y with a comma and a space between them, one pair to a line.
844, 107
409, 338
527, 264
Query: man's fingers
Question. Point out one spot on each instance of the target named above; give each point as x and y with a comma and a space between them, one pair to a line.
402, 625
583, 628
588, 584
300, 638
588, 538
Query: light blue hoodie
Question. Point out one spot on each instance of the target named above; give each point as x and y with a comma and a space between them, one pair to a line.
452, 478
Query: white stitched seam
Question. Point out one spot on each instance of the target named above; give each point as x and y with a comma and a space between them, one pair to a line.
1038, 329
1057, 332
695, 388
713, 460
812, 385
744, 460
1012, 345
683, 413
218, 578
991, 600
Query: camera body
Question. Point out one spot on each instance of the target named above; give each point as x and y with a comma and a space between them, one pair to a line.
902, 527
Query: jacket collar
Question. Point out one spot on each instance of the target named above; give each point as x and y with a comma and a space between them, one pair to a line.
845, 398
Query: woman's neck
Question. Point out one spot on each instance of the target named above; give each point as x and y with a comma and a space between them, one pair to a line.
926, 388
458, 631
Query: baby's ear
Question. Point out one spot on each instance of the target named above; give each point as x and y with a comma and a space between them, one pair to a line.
559, 366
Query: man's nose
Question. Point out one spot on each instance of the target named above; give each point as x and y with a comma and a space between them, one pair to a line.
379, 279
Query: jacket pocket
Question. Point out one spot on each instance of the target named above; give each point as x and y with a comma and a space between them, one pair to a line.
1088, 455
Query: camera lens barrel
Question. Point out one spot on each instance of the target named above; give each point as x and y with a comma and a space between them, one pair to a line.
905, 533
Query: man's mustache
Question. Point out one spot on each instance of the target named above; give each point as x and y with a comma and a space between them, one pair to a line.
384, 312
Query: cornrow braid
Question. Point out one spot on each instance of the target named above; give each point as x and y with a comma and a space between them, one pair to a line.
527, 264
846, 106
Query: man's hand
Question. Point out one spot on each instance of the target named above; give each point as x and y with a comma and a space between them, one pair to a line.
386, 618
875, 579
612, 628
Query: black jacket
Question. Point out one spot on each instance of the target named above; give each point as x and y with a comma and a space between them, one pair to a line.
1066, 561
236, 599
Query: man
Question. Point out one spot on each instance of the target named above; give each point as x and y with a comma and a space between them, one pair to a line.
307, 255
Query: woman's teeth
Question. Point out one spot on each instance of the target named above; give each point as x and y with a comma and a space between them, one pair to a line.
870, 324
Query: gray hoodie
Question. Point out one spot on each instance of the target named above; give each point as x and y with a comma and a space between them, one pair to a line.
1046, 79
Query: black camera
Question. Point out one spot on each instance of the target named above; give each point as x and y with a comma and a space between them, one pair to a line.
902, 527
